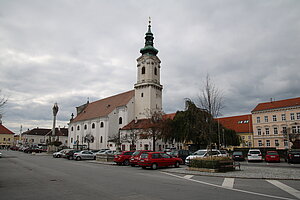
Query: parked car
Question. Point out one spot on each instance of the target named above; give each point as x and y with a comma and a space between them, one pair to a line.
202, 153
272, 156
158, 159
293, 156
69, 153
254, 155
238, 156
224, 153
84, 155
33, 150
58, 154
123, 157
14, 148
183, 154
107, 152
135, 157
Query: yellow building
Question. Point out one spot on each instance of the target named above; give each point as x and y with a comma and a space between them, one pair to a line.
276, 122
6, 137
242, 125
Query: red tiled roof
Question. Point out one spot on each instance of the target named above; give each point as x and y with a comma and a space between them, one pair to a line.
241, 123
277, 104
103, 107
4, 130
45, 131
145, 123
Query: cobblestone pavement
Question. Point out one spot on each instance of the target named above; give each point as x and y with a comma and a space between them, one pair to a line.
253, 172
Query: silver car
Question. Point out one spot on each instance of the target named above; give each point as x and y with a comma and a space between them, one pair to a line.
202, 153
84, 155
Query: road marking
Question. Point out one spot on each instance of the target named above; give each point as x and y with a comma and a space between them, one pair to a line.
228, 182
285, 188
188, 176
233, 189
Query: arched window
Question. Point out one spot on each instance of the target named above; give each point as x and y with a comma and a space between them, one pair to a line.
101, 124
93, 125
142, 94
101, 139
78, 128
120, 120
85, 127
72, 128
143, 70
155, 71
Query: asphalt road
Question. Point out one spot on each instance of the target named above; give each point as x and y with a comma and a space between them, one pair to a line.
24, 176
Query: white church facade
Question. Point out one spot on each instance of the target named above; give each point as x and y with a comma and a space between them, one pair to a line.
102, 120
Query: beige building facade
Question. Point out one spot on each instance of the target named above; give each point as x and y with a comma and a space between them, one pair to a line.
275, 123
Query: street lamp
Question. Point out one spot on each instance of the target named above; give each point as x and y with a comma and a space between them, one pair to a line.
55, 111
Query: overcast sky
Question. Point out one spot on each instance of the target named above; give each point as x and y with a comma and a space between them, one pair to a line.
66, 51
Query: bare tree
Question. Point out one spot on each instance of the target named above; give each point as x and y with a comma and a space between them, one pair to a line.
3, 101
211, 98
154, 127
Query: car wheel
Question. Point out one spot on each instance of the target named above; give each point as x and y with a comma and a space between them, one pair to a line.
176, 164
126, 162
154, 166
78, 158
58, 156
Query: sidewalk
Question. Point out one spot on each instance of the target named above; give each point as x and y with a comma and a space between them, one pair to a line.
247, 172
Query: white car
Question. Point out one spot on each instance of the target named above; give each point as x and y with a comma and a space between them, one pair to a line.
254, 155
58, 154
108, 152
84, 155
202, 153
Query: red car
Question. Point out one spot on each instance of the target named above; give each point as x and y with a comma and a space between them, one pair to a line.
158, 159
272, 156
123, 157
136, 156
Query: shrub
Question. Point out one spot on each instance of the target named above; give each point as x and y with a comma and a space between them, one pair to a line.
212, 163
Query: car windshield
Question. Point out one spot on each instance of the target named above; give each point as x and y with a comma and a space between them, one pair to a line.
237, 153
200, 152
136, 153
254, 152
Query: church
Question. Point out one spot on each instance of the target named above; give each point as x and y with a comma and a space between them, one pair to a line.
98, 124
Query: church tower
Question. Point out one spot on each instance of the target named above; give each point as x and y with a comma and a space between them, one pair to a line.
148, 90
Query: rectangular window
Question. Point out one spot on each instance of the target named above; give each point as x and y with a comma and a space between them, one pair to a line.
292, 116
267, 131
258, 119
294, 129
298, 129
268, 143
298, 116
275, 130
286, 144
266, 119
284, 131
259, 143
250, 144
276, 143
283, 118
249, 137
243, 137
274, 118
259, 131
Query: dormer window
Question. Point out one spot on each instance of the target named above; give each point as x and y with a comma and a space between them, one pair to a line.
120, 120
